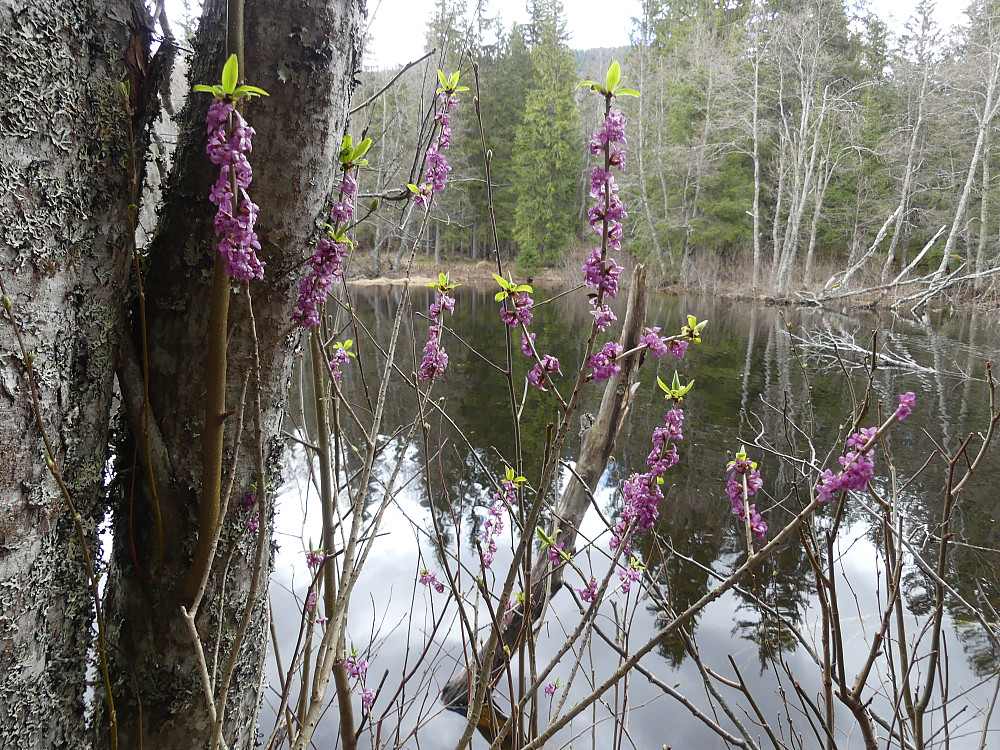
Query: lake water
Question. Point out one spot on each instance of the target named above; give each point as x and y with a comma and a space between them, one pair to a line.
758, 371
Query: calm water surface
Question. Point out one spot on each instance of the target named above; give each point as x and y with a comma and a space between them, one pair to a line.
758, 371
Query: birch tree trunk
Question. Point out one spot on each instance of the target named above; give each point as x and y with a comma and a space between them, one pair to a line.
63, 259
315, 44
984, 114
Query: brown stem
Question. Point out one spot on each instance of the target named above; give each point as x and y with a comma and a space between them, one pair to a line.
214, 429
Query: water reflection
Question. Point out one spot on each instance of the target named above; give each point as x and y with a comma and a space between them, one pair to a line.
789, 377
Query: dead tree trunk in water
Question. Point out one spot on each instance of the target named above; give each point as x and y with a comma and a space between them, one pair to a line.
598, 445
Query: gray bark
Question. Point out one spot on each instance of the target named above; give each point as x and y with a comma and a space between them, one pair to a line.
315, 45
63, 259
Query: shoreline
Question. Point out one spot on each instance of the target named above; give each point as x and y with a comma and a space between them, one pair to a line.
480, 273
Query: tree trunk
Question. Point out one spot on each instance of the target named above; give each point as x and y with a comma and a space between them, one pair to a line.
984, 215
985, 121
63, 260
316, 46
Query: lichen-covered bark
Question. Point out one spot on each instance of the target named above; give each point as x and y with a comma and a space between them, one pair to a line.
63, 260
304, 53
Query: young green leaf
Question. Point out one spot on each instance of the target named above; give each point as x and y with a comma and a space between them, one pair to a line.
626, 92
249, 92
230, 73
614, 75
361, 149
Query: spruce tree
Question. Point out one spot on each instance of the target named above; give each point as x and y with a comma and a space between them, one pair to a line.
548, 157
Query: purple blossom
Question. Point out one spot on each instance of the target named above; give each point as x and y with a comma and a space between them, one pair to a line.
628, 577
603, 317
315, 558
550, 689
616, 158
509, 497
429, 578
342, 211
327, 265
492, 527
311, 601
521, 314
739, 469
654, 343
542, 371
603, 363
248, 499
612, 131
641, 492
348, 186
677, 347
367, 698
601, 275
437, 168
340, 358
357, 667
861, 438
600, 181
253, 524
858, 468
906, 403
614, 213
528, 344
238, 243
435, 360
555, 553
589, 593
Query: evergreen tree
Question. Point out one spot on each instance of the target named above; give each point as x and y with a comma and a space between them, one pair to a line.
548, 159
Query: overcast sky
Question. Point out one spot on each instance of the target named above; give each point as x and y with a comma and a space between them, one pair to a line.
398, 26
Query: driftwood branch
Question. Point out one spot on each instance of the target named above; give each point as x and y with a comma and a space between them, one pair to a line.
829, 295
849, 272
598, 445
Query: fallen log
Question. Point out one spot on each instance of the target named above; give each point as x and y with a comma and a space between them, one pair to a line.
546, 576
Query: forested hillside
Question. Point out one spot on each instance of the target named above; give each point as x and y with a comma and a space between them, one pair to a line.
775, 143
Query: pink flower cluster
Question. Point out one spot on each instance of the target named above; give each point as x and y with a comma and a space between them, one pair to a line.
606, 215
357, 669
658, 345
429, 578
492, 527
858, 463
339, 359
603, 363
521, 315
589, 593
435, 360
739, 468
628, 576
315, 558
858, 468
238, 243
906, 403
642, 491
327, 263
437, 168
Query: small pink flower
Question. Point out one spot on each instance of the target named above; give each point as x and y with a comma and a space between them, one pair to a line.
906, 403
